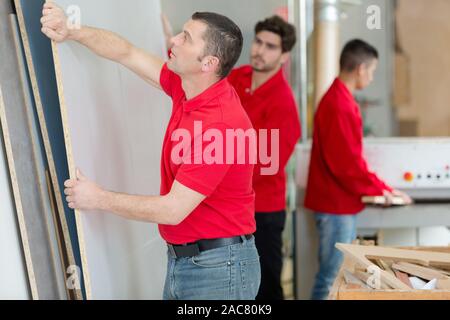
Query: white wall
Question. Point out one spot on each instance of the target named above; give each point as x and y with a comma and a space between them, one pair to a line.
381, 116
13, 277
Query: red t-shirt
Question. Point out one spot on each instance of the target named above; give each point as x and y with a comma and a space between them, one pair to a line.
271, 106
338, 173
228, 210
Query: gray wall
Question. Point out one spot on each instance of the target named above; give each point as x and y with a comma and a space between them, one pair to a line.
245, 13
380, 117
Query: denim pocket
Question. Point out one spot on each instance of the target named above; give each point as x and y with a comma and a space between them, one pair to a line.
215, 258
250, 277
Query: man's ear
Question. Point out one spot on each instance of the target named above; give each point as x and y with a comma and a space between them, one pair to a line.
210, 64
361, 69
285, 57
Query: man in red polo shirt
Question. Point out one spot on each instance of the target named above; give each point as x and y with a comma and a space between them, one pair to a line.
338, 175
206, 208
270, 104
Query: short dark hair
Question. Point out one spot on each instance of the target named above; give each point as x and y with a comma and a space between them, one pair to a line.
280, 27
223, 39
355, 53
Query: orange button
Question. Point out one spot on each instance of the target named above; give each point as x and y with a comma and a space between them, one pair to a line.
408, 176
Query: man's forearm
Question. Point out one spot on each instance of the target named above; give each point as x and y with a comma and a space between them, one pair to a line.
154, 209
104, 43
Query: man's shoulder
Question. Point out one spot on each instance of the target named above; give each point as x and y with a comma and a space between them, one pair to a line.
332, 107
170, 82
239, 72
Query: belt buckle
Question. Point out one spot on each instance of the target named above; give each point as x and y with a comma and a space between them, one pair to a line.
172, 250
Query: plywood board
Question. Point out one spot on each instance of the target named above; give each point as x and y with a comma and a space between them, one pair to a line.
13, 273
114, 124
40, 65
45, 278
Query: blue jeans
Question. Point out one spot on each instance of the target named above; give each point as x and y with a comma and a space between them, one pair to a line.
228, 273
332, 229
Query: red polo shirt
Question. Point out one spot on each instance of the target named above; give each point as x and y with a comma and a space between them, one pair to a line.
338, 173
271, 106
228, 209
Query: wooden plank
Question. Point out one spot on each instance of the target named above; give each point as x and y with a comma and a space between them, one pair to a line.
443, 284
13, 273
403, 278
38, 255
385, 265
418, 271
381, 201
350, 278
114, 122
424, 258
40, 64
365, 278
446, 272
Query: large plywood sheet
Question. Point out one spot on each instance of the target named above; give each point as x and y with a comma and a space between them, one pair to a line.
114, 124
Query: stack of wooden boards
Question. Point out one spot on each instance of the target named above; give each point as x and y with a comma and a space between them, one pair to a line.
61, 108
35, 158
378, 273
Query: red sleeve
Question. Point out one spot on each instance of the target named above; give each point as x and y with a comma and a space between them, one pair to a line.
170, 82
343, 152
286, 120
205, 177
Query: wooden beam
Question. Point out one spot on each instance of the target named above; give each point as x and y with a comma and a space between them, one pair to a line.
418, 271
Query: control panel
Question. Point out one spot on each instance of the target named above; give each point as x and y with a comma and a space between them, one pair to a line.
420, 167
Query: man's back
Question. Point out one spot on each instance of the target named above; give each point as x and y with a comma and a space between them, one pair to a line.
228, 209
338, 175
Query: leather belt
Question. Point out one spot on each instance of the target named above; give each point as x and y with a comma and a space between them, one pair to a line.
194, 249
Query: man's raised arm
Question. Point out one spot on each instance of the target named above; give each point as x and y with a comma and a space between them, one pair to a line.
103, 43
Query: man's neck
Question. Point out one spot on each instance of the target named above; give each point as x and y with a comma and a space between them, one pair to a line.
260, 78
194, 86
349, 81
